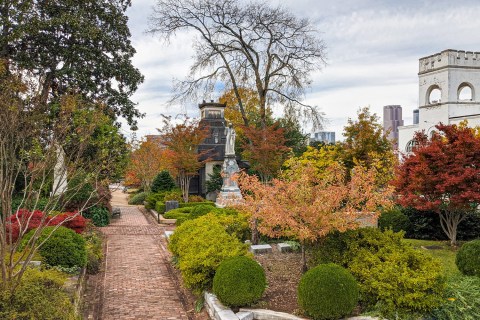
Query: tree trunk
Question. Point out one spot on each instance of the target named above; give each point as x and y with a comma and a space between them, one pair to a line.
449, 221
185, 186
304, 257
255, 232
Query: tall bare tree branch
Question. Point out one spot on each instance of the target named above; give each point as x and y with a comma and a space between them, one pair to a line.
251, 45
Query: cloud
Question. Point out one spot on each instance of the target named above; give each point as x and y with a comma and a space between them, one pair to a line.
373, 51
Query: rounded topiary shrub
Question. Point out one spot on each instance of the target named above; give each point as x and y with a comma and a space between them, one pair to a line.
239, 281
468, 258
63, 248
328, 291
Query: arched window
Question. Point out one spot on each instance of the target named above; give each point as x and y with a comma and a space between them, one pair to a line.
411, 145
434, 95
465, 92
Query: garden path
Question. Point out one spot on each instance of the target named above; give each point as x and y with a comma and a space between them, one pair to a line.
138, 282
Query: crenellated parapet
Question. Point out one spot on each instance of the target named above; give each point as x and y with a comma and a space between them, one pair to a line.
449, 58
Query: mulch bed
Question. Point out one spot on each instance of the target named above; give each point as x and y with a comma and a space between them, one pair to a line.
283, 272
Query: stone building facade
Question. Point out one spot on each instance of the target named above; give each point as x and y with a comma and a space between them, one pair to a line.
449, 92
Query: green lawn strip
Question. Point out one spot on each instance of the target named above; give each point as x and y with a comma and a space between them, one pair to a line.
446, 255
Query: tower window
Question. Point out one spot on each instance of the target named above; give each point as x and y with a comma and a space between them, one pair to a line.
465, 92
435, 95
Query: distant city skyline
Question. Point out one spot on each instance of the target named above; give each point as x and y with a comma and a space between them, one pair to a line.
373, 49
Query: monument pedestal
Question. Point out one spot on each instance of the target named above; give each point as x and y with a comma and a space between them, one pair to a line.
230, 193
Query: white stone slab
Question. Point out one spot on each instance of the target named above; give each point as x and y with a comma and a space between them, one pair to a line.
284, 247
264, 314
261, 248
244, 315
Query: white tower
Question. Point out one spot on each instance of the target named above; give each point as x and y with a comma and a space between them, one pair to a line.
449, 92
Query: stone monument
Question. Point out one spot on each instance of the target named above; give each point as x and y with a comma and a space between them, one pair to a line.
229, 193
59, 173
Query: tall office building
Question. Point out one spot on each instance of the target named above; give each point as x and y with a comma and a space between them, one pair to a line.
392, 119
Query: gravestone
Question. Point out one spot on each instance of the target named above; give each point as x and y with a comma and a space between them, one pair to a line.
170, 205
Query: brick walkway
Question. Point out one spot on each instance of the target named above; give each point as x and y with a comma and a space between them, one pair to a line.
138, 284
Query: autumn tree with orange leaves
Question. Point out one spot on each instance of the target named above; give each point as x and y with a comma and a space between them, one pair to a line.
184, 159
306, 206
145, 163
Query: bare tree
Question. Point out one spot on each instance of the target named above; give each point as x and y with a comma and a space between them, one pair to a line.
249, 45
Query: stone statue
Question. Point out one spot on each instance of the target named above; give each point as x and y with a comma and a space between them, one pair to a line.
59, 172
230, 140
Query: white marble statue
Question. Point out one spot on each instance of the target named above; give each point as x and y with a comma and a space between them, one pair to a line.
230, 140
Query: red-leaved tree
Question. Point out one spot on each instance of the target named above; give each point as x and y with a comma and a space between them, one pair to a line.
442, 174
306, 206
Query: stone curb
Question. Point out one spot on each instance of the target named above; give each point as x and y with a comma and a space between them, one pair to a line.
160, 219
217, 311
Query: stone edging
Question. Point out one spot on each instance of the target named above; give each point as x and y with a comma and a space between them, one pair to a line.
160, 219
217, 311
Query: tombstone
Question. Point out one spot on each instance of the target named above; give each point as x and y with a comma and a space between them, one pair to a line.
170, 205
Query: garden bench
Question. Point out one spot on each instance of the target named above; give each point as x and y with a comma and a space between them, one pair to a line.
116, 212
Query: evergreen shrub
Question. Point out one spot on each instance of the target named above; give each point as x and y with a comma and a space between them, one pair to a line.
194, 204
63, 248
200, 245
100, 216
160, 207
393, 276
138, 198
173, 195
239, 281
468, 258
152, 199
163, 182
394, 219
93, 240
39, 296
328, 291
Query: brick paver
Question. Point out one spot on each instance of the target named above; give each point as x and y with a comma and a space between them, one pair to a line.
138, 284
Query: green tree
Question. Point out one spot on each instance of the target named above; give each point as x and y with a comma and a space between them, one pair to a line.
70, 45
366, 144
215, 179
295, 139
163, 182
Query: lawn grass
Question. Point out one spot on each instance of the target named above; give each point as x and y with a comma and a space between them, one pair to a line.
446, 255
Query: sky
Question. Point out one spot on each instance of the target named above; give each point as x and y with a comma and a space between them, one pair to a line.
373, 49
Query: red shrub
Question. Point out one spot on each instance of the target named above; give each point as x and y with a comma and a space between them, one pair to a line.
77, 224
33, 220
24, 218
